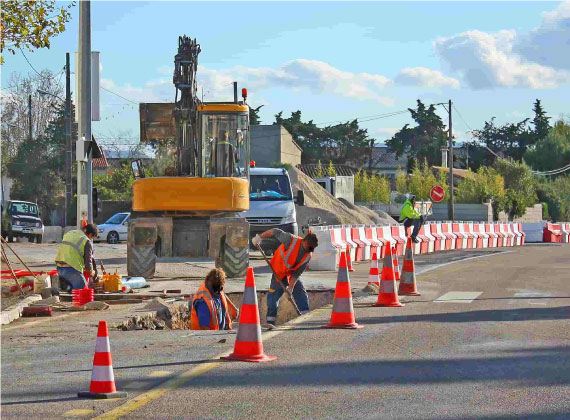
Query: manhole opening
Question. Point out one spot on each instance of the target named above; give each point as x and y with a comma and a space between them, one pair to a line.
176, 315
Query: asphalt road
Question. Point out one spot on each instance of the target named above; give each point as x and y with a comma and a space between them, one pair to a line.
498, 350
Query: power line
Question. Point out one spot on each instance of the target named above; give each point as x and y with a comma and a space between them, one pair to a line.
368, 118
116, 94
34, 69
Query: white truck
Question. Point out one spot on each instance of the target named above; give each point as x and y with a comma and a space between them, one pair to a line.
271, 204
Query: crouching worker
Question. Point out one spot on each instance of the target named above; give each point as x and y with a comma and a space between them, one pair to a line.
211, 309
409, 216
288, 262
74, 258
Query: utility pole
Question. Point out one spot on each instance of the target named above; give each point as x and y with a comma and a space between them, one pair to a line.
68, 147
30, 117
450, 209
84, 174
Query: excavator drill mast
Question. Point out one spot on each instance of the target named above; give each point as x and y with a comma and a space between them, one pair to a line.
186, 108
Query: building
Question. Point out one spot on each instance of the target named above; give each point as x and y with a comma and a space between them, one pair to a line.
271, 144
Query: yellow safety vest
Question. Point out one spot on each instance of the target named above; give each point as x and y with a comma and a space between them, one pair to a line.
72, 249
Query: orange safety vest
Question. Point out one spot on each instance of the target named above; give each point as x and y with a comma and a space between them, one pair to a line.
204, 293
283, 261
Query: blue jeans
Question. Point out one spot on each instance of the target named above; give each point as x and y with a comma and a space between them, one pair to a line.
71, 276
276, 291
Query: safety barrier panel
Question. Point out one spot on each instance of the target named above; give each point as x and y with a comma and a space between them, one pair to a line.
362, 241
565, 229
552, 233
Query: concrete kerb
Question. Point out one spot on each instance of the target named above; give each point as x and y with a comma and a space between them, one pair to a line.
52, 234
14, 312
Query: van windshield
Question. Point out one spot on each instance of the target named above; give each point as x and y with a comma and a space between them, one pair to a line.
269, 188
27, 209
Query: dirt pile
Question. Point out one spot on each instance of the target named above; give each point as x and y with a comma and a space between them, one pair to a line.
320, 203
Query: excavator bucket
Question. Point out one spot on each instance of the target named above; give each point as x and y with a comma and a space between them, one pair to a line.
157, 121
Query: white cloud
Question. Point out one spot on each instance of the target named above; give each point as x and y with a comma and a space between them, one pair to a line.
387, 132
549, 43
424, 77
487, 60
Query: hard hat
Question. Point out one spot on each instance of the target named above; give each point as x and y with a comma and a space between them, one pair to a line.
410, 196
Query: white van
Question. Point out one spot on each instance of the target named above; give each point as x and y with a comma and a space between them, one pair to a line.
271, 204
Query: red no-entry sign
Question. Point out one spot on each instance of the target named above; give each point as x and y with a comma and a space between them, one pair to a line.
437, 194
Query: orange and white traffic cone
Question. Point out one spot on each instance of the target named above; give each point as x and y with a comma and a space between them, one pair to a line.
387, 295
396, 265
102, 378
343, 312
348, 259
248, 346
374, 274
408, 282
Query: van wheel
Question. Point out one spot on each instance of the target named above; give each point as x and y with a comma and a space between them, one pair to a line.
10, 237
39, 239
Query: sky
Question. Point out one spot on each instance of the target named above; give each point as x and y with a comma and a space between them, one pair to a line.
334, 61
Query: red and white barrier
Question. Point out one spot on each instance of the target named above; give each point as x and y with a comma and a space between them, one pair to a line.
483, 236
375, 244
366, 241
346, 234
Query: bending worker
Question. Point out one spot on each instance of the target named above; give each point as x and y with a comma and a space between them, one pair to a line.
409, 216
288, 262
74, 258
211, 309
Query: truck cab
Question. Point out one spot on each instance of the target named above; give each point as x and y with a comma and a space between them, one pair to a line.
21, 219
271, 204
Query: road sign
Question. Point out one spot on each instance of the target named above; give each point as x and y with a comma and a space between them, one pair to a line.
437, 194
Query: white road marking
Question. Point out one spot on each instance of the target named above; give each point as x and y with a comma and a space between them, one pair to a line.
78, 412
159, 374
458, 297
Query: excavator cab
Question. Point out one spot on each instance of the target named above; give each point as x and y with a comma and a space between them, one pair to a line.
194, 213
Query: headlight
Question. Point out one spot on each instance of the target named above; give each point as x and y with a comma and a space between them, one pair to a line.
289, 217
38, 224
100, 231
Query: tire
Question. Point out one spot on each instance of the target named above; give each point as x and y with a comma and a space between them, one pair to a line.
235, 260
10, 237
39, 239
31, 238
112, 237
141, 261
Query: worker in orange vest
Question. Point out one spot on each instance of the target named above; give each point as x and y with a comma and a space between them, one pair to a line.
288, 263
210, 308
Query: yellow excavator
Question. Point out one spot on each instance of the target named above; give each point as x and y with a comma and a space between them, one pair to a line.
193, 213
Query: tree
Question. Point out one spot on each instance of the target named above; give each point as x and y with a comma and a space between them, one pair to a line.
254, 115
486, 185
368, 188
38, 167
556, 195
540, 122
553, 151
31, 24
331, 171
343, 143
320, 172
15, 114
421, 181
520, 185
117, 185
424, 141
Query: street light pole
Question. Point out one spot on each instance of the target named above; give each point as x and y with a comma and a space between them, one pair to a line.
68, 147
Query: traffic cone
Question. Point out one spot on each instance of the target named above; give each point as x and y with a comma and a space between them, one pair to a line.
387, 295
374, 274
248, 346
102, 378
343, 313
396, 265
408, 282
350, 268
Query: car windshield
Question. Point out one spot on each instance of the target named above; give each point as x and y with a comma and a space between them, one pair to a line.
27, 209
269, 188
117, 219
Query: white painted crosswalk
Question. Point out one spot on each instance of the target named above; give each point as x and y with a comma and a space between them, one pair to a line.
458, 297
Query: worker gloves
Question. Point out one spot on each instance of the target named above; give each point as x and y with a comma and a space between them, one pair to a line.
256, 240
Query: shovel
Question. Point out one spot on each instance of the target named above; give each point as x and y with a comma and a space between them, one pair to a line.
287, 292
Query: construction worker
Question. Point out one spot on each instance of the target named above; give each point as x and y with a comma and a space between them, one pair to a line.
288, 263
409, 216
211, 309
74, 258
224, 155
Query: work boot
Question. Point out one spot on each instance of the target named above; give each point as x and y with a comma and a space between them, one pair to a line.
415, 239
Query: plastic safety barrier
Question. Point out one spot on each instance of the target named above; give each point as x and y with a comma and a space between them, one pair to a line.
400, 242
376, 244
552, 233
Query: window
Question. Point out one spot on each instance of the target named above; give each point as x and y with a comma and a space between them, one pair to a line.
224, 142
269, 188
27, 209
116, 219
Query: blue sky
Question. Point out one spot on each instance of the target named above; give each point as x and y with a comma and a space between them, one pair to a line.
332, 60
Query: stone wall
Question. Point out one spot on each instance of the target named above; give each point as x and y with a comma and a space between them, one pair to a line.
109, 208
532, 215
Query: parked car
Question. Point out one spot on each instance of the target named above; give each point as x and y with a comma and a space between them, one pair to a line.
115, 229
21, 219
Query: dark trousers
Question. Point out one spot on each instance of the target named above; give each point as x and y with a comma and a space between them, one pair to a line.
417, 223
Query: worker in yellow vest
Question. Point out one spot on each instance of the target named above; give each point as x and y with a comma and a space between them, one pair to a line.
288, 262
211, 309
75, 257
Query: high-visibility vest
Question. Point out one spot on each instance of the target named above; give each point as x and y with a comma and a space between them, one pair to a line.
72, 249
204, 293
283, 261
